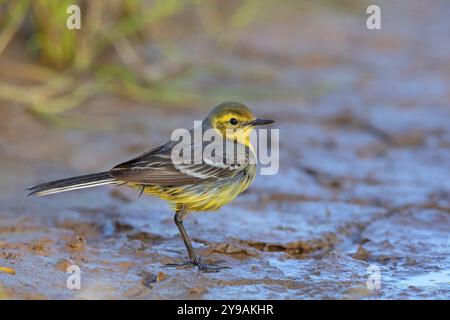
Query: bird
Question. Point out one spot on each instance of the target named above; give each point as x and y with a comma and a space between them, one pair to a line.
191, 186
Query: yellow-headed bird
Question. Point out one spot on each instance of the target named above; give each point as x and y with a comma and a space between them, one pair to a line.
204, 185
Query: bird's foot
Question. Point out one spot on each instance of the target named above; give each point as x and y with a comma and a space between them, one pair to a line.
213, 266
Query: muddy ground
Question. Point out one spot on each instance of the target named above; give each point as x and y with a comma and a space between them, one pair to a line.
364, 180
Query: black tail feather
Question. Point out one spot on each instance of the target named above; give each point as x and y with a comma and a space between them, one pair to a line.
80, 182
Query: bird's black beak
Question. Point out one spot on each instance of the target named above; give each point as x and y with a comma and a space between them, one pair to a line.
260, 122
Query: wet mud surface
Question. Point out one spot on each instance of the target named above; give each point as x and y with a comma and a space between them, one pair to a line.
364, 180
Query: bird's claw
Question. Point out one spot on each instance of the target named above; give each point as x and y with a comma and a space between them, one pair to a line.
212, 266
209, 267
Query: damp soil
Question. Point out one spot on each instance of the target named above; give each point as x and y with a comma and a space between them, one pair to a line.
363, 187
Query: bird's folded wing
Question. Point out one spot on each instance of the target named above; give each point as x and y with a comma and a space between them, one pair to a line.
156, 168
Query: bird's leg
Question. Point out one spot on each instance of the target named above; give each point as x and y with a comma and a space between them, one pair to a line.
178, 219
180, 213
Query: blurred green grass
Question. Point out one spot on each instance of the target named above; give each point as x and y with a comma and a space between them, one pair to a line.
58, 69
66, 67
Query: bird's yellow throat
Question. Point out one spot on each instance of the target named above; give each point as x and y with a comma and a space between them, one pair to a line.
241, 133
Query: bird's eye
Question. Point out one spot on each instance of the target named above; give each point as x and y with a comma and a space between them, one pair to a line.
233, 121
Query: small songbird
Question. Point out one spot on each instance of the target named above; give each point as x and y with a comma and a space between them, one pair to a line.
204, 185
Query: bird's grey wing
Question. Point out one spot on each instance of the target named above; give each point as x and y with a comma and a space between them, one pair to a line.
157, 168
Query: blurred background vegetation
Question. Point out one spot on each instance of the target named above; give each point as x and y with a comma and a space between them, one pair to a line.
54, 69
126, 48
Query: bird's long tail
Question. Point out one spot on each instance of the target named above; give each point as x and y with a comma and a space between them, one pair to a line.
74, 183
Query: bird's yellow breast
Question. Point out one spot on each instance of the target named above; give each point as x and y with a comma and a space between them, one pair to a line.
208, 196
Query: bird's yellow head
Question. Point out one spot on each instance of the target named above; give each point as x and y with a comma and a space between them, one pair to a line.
234, 121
